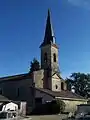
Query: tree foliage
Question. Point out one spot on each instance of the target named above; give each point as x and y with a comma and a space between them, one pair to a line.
61, 105
35, 65
80, 81
69, 83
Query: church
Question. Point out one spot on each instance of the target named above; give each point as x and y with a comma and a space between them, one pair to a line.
45, 84
49, 75
49, 84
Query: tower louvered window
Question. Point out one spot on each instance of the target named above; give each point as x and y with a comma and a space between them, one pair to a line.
62, 86
54, 57
45, 57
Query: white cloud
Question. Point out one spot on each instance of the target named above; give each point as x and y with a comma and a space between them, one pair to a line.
81, 3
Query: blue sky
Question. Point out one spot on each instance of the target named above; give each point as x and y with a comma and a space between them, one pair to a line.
22, 25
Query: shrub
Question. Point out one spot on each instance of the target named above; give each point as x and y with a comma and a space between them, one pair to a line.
56, 106
61, 105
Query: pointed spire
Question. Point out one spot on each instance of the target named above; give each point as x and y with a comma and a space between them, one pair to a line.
49, 34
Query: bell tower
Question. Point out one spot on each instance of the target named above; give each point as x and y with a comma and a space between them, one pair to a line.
49, 53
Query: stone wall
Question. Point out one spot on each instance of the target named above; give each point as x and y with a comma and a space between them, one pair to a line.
71, 105
54, 65
38, 77
50, 50
46, 49
56, 81
51, 63
19, 90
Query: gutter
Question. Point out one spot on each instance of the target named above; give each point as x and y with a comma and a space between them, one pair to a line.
74, 99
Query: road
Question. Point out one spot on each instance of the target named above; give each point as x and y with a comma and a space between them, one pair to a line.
46, 117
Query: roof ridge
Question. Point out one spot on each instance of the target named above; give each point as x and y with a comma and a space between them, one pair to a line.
17, 75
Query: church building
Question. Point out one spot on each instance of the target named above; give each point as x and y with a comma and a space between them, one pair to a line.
49, 84
45, 84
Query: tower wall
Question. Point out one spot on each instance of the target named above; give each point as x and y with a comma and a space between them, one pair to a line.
46, 49
54, 64
50, 50
38, 77
50, 66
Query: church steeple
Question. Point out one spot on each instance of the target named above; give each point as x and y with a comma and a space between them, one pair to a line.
49, 37
49, 56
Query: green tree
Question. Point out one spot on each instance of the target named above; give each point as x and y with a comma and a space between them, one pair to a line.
80, 81
69, 83
87, 88
35, 65
61, 105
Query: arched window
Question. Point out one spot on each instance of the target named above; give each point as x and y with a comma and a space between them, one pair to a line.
62, 86
54, 57
45, 57
0, 91
56, 86
17, 92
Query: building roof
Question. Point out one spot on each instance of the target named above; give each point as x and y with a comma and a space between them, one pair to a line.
49, 37
4, 99
65, 94
15, 77
58, 74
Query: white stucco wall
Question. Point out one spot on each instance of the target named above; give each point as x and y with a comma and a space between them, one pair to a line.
71, 104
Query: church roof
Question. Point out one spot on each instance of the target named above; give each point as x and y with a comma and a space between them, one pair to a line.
58, 74
15, 77
49, 37
4, 99
65, 94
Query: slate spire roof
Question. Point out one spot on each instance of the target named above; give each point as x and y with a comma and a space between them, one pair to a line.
49, 37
